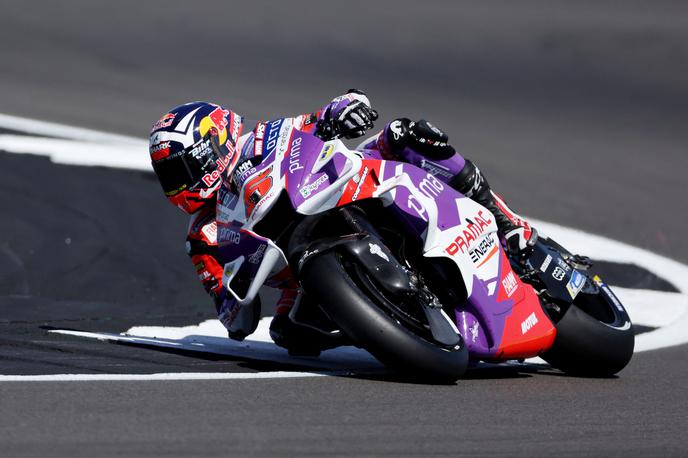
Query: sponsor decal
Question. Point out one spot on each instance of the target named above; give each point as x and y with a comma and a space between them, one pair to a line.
260, 131
375, 249
546, 263
284, 136
558, 274
509, 283
475, 228
211, 178
308, 189
482, 249
613, 298
229, 235
575, 284
163, 122
210, 232
160, 151
436, 169
257, 256
563, 264
414, 204
360, 180
273, 133
608, 292
236, 126
528, 323
294, 156
201, 148
244, 170
307, 254
430, 187
244, 166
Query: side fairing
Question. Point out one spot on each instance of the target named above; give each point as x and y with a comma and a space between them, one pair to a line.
503, 316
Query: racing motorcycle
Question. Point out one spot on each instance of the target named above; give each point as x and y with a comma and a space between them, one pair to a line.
400, 264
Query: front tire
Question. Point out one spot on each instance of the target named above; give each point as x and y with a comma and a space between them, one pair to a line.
368, 326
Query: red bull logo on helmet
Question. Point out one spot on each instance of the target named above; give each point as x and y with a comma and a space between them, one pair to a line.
209, 179
219, 118
216, 120
163, 122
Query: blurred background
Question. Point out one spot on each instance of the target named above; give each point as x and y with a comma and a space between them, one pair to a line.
575, 111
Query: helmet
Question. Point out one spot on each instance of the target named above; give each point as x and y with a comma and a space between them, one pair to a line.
190, 148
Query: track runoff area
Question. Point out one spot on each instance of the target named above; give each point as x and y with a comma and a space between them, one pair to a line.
659, 310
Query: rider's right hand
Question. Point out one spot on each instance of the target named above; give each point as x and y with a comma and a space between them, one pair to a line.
349, 115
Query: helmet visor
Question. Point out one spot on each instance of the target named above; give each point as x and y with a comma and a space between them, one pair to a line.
185, 169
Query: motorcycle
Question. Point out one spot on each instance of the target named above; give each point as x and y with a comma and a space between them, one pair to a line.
402, 265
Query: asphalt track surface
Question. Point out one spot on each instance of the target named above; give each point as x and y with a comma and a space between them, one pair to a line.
576, 112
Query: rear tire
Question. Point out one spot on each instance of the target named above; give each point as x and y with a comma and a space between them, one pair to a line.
585, 346
371, 328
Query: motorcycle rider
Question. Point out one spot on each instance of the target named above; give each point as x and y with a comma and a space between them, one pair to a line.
194, 145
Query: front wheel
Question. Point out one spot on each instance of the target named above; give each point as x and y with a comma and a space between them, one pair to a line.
380, 333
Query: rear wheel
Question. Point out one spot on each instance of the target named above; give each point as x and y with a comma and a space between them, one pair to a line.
594, 338
392, 339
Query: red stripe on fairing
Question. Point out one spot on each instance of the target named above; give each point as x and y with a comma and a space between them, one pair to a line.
369, 185
539, 332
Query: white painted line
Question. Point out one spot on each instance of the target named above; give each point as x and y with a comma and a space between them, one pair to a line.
160, 376
51, 129
74, 145
211, 337
72, 152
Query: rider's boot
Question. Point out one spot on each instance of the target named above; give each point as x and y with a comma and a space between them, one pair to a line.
297, 337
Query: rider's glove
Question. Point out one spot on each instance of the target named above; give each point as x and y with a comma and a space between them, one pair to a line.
348, 115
